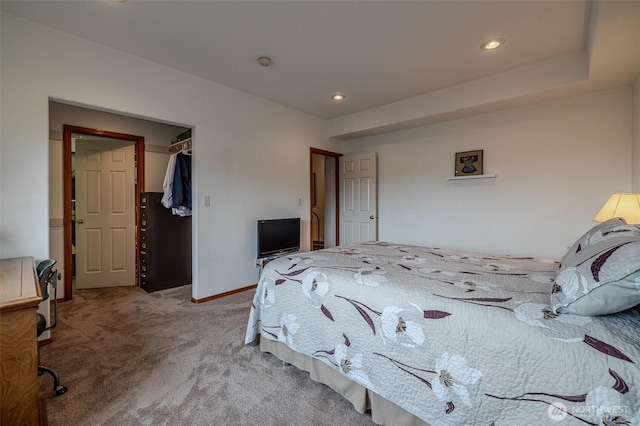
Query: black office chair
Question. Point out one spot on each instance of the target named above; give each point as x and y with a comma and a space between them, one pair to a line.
47, 275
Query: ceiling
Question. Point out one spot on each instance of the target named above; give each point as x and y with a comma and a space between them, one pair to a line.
375, 52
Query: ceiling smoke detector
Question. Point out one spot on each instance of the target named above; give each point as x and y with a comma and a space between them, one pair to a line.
264, 61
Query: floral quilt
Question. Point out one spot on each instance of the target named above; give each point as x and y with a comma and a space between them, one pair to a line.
453, 338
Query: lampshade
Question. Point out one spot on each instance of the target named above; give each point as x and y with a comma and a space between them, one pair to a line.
626, 206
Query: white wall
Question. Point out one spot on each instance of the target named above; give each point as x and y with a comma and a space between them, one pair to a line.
251, 156
556, 164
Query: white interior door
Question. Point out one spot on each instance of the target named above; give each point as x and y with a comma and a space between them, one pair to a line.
359, 190
105, 213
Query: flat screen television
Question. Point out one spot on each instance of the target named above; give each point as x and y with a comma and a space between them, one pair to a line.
277, 236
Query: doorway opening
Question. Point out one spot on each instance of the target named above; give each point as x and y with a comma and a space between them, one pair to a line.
126, 235
324, 200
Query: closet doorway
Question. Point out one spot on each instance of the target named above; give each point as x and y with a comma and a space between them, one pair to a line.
325, 209
101, 207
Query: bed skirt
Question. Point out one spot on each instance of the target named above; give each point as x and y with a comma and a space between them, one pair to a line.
383, 412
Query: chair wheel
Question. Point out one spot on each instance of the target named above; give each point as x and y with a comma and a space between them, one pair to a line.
60, 390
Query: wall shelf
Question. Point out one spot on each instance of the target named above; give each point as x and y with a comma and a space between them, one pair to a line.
472, 177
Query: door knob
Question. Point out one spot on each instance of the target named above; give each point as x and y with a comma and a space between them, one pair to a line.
372, 217
80, 221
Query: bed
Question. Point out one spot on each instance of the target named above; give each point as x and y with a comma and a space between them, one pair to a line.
430, 336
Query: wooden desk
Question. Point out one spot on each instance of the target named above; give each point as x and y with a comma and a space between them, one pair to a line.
19, 298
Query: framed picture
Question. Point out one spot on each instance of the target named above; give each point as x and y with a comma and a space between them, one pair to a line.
468, 163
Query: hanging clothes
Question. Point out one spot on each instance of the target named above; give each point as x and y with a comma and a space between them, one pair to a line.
177, 185
167, 185
182, 182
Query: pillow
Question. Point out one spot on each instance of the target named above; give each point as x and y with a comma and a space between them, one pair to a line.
602, 276
593, 235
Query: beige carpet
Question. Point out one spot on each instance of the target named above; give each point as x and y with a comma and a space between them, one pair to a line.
132, 358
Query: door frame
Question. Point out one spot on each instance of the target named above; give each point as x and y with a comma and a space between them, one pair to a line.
336, 157
67, 222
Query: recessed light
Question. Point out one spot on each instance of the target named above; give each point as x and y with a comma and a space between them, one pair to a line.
338, 97
492, 44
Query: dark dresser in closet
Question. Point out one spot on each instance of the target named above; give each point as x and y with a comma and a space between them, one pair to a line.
165, 245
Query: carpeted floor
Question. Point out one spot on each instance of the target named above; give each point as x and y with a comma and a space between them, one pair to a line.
132, 358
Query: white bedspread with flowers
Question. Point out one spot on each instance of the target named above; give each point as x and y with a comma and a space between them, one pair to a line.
453, 338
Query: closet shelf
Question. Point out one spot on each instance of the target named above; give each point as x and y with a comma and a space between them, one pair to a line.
489, 176
182, 146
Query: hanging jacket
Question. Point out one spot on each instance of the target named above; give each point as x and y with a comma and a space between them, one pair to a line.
167, 185
182, 182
